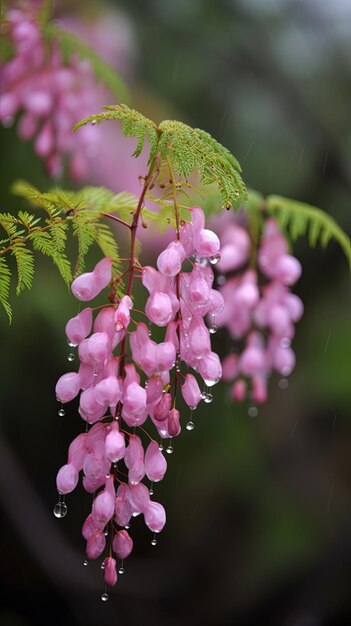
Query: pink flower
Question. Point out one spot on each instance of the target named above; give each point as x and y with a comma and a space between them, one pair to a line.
155, 517
67, 478
110, 572
87, 286
155, 462
122, 544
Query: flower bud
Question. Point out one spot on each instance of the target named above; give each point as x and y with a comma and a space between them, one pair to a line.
155, 517
110, 572
67, 479
173, 422
96, 544
67, 387
122, 544
79, 326
155, 462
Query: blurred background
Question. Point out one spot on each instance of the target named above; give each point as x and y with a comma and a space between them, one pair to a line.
259, 509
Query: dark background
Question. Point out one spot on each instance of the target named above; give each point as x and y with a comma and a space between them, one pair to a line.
259, 513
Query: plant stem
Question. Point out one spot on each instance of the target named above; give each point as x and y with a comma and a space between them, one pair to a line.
133, 229
116, 219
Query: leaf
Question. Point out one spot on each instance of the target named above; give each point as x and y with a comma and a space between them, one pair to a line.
103, 71
134, 124
193, 149
300, 219
85, 233
44, 243
5, 280
25, 266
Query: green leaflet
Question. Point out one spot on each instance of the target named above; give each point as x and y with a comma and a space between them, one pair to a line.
5, 281
193, 149
80, 212
297, 219
134, 124
189, 149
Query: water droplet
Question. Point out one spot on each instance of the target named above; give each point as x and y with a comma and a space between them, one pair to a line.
61, 412
121, 570
210, 383
169, 449
60, 510
104, 596
71, 345
106, 533
151, 490
85, 563
70, 357
283, 383
160, 447
252, 411
190, 425
213, 329
102, 566
127, 526
154, 542
236, 193
203, 262
150, 332
215, 258
208, 397
285, 342
93, 122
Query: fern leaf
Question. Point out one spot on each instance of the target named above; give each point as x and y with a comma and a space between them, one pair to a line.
25, 266
5, 280
106, 241
44, 243
193, 149
134, 124
72, 44
59, 236
103, 200
85, 233
28, 220
299, 218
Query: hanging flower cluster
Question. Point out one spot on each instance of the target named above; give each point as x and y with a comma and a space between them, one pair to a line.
259, 310
50, 95
118, 393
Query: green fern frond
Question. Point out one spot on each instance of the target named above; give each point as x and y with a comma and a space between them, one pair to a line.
189, 149
84, 231
134, 124
55, 202
298, 219
102, 200
25, 266
72, 44
58, 233
193, 149
28, 220
5, 281
43, 242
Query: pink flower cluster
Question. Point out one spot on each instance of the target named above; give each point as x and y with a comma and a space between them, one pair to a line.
50, 95
116, 397
259, 310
